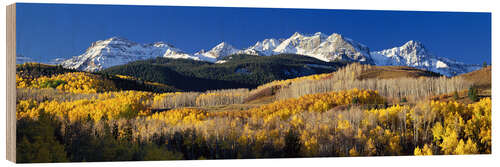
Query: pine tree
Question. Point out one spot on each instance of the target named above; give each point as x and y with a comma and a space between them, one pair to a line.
472, 94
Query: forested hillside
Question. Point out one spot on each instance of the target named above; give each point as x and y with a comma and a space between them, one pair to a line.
51, 76
237, 71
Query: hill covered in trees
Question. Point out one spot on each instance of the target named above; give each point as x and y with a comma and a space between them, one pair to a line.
51, 76
236, 71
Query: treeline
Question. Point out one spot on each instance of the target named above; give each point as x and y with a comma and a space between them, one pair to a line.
48, 139
35, 70
41, 95
397, 88
410, 88
208, 98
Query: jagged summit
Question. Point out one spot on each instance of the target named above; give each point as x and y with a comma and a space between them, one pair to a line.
415, 54
218, 52
334, 47
326, 48
263, 48
115, 41
116, 51
413, 43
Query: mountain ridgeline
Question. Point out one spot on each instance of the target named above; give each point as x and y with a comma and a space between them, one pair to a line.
114, 51
237, 71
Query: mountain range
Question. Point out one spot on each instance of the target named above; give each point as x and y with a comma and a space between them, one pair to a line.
329, 48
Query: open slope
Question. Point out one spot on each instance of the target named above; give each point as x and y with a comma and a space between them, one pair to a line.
481, 78
387, 72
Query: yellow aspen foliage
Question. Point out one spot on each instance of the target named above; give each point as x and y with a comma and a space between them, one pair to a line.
485, 137
296, 121
450, 141
370, 147
360, 135
417, 151
466, 148
27, 109
438, 132
353, 152
311, 144
394, 144
463, 123
127, 104
21, 82
178, 116
75, 82
471, 147
478, 127
341, 122
321, 102
343, 125
426, 150
387, 115
282, 83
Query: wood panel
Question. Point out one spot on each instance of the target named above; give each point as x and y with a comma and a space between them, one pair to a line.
11, 83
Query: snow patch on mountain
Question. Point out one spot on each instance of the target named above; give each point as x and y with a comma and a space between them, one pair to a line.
335, 47
414, 54
117, 51
327, 48
218, 52
263, 48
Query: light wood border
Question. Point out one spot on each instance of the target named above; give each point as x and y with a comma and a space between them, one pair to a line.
11, 82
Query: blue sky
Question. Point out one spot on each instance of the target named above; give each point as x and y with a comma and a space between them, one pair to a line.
48, 31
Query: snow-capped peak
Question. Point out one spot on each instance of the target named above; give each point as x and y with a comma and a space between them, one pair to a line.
413, 44
335, 47
263, 48
223, 46
221, 50
318, 33
296, 35
162, 44
327, 48
116, 51
415, 54
115, 41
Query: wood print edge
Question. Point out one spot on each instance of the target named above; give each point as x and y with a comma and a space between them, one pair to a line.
11, 83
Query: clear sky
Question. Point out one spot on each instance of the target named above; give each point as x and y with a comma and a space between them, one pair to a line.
47, 31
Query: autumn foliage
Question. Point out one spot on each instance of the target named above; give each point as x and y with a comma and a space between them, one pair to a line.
85, 116
75, 82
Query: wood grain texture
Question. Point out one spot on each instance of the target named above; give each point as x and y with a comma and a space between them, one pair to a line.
11, 83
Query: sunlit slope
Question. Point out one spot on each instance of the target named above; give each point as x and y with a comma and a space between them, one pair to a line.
36, 75
388, 72
394, 82
481, 78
